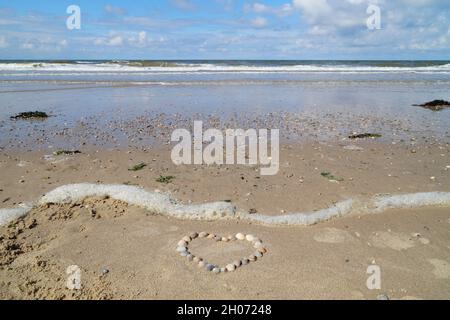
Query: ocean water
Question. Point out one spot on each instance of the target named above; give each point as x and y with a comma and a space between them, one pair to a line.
339, 93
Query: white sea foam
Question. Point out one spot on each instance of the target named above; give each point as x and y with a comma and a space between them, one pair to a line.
163, 204
8, 215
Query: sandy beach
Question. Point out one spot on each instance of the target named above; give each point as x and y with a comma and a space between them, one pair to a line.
127, 252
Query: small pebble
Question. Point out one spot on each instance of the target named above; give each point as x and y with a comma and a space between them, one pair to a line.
223, 270
209, 267
197, 259
211, 236
186, 239
245, 261
258, 254
184, 254
262, 250
104, 271
216, 270
202, 264
252, 258
190, 257
225, 239
203, 234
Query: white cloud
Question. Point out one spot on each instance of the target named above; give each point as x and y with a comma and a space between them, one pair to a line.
261, 8
313, 9
3, 42
259, 22
27, 46
115, 10
113, 41
183, 4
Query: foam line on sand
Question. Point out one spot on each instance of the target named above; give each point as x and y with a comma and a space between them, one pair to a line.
163, 204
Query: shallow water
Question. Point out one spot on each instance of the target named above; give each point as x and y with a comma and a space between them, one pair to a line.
316, 100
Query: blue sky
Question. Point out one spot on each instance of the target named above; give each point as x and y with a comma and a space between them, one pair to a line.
225, 29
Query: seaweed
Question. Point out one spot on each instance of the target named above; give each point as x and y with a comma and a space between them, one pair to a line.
66, 152
138, 167
165, 179
30, 115
365, 136
435, 105
331, 177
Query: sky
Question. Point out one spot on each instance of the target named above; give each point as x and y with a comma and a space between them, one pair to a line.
226, 29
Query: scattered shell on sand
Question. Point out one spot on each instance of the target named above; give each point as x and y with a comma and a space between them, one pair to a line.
240, 236
182, 244
231, 267
183, 250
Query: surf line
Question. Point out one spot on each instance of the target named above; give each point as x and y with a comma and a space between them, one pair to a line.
163, 204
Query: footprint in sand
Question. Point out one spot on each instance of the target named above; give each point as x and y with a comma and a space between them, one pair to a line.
333, 235
396, 241
441, 268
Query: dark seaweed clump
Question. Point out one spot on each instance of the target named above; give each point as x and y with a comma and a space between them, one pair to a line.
365, 136
435, 105
30, 115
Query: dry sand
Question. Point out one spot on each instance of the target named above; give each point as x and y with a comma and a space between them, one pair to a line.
328, 260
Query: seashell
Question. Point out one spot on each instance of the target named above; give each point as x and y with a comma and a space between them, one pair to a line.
203, 234
193, 235
202, 264
186, 239
252, 258
225, 239
223, 270
209, 267
182, 244
197, 259
217, 238
240, 236
182, 249
258, 245
250, 237
262, 250
245, 261
258, 254
216, 270
237, 263
211, 236
231, 267
184, 254
190, 257
232, 238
